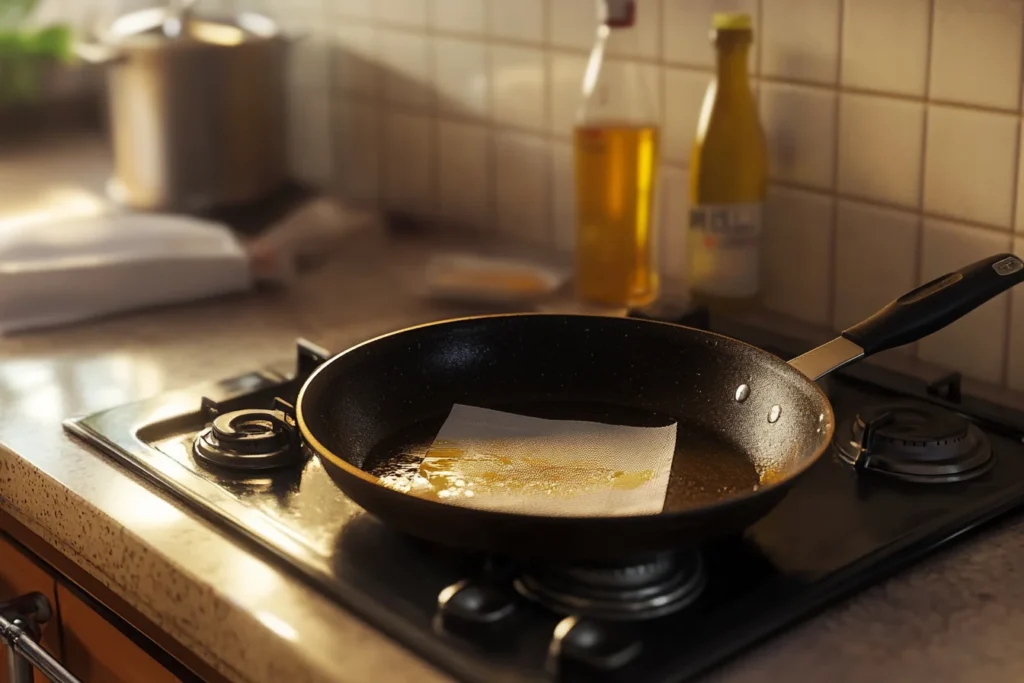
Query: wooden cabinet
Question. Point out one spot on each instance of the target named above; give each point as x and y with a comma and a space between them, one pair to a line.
19, 574
85, 642
96, 652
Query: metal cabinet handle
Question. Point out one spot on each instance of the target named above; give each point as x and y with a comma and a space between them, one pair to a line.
20, 620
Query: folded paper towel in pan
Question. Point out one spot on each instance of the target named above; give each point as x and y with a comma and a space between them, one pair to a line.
493, 460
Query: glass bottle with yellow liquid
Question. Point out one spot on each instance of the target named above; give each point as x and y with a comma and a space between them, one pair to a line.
728, 178
616, 148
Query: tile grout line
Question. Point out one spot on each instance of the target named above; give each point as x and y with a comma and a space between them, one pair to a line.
867, 201
383, 128
661, 188
781, 182
760, 45
699, 68
437, 211
919, 247
492, 141
333, 109
836, 122
549, 239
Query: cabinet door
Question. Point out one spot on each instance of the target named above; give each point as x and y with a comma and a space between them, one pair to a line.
96, 652
19, 574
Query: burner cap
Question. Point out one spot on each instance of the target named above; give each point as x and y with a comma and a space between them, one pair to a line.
248, 440
914, 441
642, 590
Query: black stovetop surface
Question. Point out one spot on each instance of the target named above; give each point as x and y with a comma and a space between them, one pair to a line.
837, 531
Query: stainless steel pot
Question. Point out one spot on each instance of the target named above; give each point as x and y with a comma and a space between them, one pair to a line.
197, 108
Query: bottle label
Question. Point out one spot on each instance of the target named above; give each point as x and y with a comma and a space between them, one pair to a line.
724, 243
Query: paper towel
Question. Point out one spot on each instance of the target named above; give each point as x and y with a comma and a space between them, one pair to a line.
494, 460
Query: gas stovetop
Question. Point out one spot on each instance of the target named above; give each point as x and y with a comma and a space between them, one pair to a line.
913, 467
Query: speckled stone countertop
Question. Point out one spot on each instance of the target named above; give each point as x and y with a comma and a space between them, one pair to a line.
954, 617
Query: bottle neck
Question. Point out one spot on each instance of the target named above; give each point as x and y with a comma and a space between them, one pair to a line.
732, 64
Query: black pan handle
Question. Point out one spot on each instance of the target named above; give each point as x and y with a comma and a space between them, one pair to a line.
938, 303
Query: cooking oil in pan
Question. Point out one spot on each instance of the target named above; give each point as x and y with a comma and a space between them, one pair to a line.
705, 468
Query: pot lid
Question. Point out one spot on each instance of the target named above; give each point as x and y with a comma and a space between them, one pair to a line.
160, 25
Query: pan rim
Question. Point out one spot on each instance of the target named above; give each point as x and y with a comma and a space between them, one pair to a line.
323, 452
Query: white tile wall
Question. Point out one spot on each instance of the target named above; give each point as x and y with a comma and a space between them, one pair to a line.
357, 135
518, 78
800, 126
461, 77
975, 344
463, 16
523, 184
893, 125
464, 165
355, 59
885, 45
409, 162
797, 254
674, 209
868, 277
969, 164
353, 8
521, 20
800, 39
683, 91
405, 59
407, 12
309, 137
571, 23
880, 142
565, 90
563, 200
976, 48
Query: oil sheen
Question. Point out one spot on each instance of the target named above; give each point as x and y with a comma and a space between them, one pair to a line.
705, 468
616, 262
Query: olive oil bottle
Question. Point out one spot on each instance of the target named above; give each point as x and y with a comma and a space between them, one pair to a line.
616, 145
728, 178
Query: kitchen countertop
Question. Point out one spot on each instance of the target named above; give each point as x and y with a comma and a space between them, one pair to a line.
953, 617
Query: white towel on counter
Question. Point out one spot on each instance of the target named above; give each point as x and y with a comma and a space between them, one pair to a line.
64, 271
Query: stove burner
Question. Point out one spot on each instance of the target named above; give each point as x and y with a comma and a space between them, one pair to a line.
916, 442
248, 439
663, 585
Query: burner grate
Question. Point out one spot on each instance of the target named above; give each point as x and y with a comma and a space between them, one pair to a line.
644, 590
913, 441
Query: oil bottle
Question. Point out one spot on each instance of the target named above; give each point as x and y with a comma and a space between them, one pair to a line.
616, 146
728, 178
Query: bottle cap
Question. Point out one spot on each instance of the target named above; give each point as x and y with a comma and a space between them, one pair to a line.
619, 13
736, 21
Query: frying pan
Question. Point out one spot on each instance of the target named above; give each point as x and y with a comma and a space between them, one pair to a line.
371, 406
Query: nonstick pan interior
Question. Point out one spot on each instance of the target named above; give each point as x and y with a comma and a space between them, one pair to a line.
365, 410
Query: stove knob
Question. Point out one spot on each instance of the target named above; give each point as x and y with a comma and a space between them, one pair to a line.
584, 650
465, 607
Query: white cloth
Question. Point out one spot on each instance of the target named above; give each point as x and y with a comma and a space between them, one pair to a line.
62, 271
493, 460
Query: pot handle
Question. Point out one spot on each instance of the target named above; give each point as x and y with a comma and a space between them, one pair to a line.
916, 314
935, 304
97, 53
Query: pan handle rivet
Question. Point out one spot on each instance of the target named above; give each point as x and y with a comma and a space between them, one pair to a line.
774, 414
742, 393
